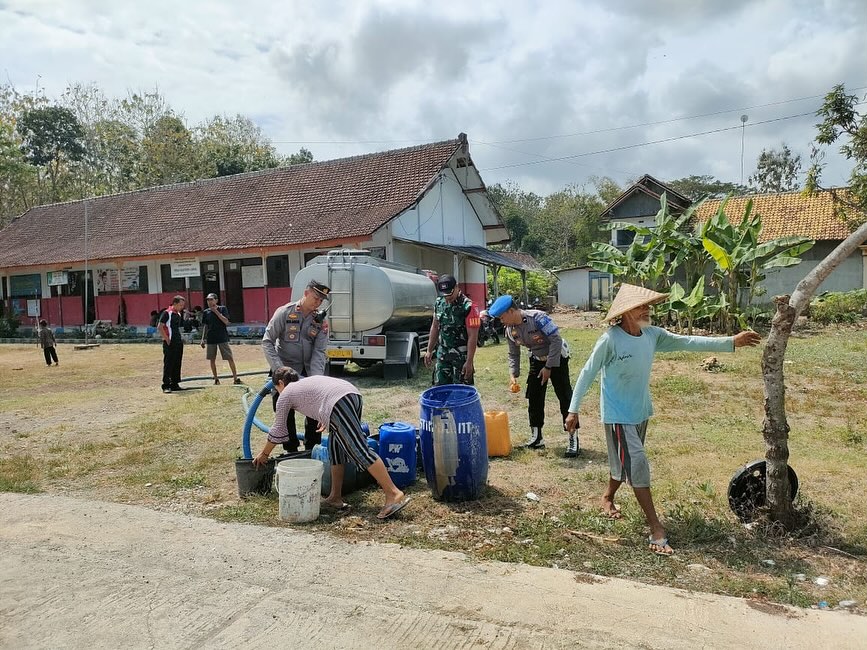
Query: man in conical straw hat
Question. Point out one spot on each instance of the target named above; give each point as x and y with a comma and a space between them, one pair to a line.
624, 355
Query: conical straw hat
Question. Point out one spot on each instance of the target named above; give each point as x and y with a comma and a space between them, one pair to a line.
629, 297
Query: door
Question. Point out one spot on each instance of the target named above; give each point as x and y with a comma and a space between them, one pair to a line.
210, 280
234, 300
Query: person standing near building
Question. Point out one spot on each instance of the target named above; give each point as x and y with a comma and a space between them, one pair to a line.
454, 333
215, 320
47, 342
169, 327
549, 360
297, 337
624, 355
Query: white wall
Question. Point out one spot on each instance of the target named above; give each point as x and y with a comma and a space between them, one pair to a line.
443, 216
573, 289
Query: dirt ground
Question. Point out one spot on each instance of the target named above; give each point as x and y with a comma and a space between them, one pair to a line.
98, 427
78, 573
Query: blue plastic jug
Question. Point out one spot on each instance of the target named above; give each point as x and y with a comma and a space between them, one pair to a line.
454, 445
397, 450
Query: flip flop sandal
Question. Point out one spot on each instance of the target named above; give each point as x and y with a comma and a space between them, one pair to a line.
658, 546
393, 509
343, 507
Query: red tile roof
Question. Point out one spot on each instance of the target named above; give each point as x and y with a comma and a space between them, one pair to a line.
785, 214
345, 199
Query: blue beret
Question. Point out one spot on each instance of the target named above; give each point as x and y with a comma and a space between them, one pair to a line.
501, 305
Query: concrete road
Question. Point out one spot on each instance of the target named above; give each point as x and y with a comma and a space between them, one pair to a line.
83, 574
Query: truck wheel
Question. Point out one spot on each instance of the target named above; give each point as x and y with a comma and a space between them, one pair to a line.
412, 366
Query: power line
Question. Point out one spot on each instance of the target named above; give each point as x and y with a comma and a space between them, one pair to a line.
652, 142
546, 159
657, 122
569, 135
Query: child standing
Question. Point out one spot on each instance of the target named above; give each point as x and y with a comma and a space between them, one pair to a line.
46, 340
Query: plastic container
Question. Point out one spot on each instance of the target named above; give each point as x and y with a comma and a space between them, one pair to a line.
499, 438
397, 450
454, 446
252, 479
298, 486
353, 477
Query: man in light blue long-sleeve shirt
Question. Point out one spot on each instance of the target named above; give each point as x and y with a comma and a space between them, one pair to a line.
624, 355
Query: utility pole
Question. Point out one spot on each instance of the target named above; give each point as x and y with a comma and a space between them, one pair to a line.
744, 119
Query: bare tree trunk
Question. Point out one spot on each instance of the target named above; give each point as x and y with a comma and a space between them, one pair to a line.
776, 428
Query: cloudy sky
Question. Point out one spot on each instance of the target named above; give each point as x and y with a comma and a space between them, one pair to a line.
579, 81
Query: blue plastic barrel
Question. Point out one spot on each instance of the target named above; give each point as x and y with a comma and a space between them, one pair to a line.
397, 450
353, 478
373, 443
454, 445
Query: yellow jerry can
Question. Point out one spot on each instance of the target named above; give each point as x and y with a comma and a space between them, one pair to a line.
499, 440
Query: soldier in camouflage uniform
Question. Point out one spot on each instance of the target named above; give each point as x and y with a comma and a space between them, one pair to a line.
549, 359
297, 337
454, 334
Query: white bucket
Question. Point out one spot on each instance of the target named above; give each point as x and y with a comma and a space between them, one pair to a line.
298, 485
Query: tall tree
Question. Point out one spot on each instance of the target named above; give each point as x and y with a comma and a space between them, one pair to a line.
52, 138
169, 153
232, 145
517, 208
706, 186
300, 157
776, 171
839, 120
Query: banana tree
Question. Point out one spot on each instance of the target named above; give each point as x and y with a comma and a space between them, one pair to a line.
741, 261
679, 302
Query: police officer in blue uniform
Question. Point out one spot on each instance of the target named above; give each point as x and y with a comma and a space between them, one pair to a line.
549, 360
297, 337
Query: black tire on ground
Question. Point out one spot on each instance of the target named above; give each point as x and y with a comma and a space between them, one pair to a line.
412, 366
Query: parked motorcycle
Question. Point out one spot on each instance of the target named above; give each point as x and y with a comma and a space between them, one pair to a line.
488, 331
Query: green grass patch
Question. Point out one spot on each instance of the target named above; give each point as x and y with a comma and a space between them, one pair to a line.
20, 474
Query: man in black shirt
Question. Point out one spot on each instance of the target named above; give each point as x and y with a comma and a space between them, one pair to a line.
169, 327
214, 321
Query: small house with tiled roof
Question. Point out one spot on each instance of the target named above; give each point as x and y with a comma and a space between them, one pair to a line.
792, 214
638, 205
245, 236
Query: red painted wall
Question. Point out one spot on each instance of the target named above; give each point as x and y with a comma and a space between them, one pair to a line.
477, 291
277, 297
139, 307
73, 311
106, 307
254, 305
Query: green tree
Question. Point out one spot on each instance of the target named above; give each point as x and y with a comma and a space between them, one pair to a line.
842, 121
52, 138
702, 187
301, 157
776, 171
607, 189
233, 145
517, 208
741, 261
169, 153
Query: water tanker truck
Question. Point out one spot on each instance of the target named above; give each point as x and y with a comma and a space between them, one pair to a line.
378, 311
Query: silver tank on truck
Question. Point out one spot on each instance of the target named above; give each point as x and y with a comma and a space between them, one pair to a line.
370, 295
378, 310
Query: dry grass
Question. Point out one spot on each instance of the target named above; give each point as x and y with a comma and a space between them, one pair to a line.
98, 427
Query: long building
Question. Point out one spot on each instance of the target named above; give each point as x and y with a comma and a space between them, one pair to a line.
118, 258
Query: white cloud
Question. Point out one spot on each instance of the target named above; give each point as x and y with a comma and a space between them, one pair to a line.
396, 73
